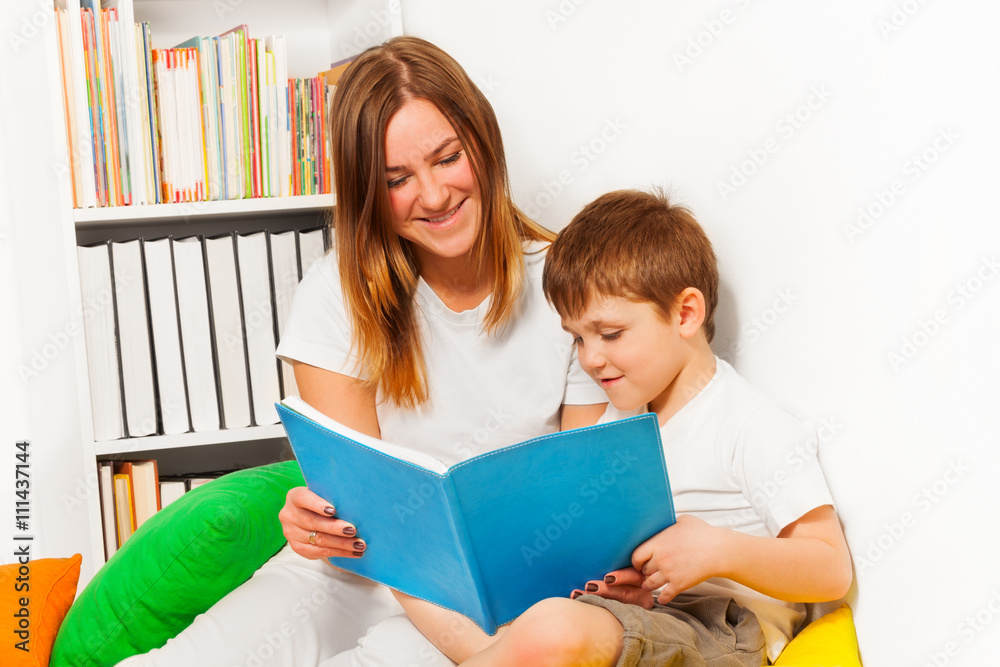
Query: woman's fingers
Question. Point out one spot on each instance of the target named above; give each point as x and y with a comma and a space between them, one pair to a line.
621, 585
627, 576
325, 545
312, 529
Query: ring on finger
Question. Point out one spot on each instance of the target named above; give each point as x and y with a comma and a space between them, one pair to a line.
312, 538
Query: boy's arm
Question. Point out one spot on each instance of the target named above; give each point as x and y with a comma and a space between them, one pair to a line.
578, 416
807, 562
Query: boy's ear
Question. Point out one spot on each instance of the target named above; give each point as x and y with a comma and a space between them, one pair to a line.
691, 311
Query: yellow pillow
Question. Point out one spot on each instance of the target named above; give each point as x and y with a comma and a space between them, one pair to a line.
33, 603
829, 641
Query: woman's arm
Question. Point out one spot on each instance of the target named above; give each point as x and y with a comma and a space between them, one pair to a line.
347, 400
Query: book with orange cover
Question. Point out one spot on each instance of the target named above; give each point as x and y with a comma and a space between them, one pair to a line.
144, 488
124, 518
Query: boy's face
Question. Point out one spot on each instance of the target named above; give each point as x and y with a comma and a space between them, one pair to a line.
629, 349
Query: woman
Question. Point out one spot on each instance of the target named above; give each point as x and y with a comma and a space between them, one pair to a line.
426, 326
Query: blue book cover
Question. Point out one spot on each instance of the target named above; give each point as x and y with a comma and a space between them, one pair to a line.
492, 535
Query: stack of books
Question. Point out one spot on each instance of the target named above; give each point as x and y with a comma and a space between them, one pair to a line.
181, 333
132, 491
209, 119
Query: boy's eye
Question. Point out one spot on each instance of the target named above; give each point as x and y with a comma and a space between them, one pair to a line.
614, 335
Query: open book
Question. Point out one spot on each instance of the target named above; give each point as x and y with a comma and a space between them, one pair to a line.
492, 535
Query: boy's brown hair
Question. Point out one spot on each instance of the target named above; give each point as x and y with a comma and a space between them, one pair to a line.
634, 245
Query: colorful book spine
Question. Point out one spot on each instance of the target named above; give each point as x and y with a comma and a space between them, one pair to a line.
212, 118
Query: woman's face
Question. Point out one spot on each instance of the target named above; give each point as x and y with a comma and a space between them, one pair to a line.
432, 188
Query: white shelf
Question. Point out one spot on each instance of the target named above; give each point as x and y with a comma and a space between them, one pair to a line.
205, 210
130, 445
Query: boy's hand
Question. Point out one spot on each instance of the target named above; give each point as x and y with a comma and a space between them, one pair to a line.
624, 585
679, 557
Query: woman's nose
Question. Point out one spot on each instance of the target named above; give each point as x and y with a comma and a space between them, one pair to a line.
433, 194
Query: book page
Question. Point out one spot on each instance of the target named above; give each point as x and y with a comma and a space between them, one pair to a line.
400, 452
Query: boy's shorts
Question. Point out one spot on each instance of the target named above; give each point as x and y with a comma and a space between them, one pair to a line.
689, 630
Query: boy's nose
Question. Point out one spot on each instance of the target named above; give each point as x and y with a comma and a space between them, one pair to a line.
590, 358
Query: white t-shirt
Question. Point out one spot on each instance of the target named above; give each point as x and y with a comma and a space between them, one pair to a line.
738, 461
486, 391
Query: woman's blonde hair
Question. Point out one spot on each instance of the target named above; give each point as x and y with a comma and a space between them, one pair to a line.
378, 269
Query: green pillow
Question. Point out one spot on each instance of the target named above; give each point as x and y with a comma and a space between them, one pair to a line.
179, 563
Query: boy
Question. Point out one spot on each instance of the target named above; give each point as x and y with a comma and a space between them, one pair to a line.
635, 281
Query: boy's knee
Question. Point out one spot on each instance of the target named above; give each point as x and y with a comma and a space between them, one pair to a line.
560, 631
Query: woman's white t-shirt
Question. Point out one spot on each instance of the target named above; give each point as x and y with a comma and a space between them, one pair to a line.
486, 390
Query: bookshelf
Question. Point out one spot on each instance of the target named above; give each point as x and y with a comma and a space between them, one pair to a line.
318, 32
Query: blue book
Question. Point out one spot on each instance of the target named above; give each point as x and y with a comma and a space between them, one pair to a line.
492, 535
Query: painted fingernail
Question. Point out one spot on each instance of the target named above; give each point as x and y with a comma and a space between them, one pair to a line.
574, 595
591, 588
349, 530
328, 510
610, 579
359, 545
359, 554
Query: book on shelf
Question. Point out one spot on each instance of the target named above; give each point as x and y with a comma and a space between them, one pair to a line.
132, 491
181, 333
312, 246
189, 481
464, 537
165, 329
228, 324
124, 518
196, 333
337, 69
171, 490
182, 152
101, 334
275, 44
210, 118
285, 278
254, 269
105, 489
144, 488
135, 352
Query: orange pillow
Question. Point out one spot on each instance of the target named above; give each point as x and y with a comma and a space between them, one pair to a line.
33, 602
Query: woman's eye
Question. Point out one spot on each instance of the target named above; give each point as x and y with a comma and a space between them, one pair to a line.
396, 182
451, 159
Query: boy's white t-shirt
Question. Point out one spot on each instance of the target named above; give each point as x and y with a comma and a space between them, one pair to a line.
486, 390
738, 461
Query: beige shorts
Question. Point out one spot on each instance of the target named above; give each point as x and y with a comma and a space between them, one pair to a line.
690, 630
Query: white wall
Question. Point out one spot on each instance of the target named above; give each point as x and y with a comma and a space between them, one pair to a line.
39, 332
814, 301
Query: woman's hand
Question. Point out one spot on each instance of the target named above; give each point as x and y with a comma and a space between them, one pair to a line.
350, 402
624, 585
312, 529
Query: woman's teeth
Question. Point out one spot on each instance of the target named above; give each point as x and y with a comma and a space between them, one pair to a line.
445, 216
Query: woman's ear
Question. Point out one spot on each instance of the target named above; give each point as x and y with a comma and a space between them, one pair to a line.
690, 311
